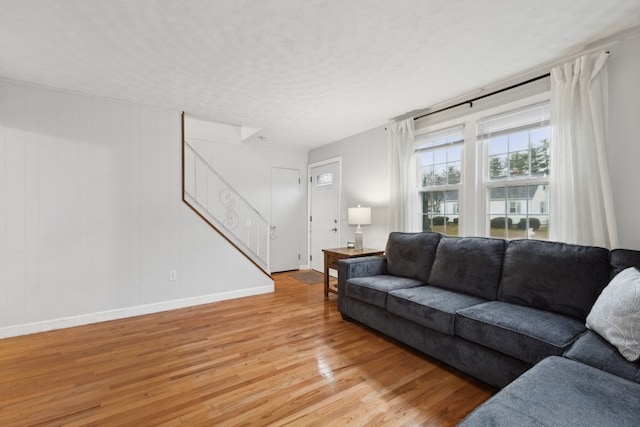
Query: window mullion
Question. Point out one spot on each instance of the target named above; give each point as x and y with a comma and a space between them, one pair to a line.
470, 195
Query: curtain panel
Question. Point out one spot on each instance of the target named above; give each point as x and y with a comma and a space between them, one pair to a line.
402, 200
580, 194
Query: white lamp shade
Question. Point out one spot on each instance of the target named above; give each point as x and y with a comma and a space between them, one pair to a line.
359, 216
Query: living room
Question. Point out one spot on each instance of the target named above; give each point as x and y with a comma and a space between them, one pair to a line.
93, 225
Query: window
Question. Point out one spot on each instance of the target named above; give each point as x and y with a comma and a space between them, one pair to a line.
485, 171
324, 179
439, 163
516, 147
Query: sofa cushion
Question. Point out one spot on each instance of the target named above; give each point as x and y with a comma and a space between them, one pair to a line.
469, 264
374, 289
593, 350
429, 306
561, 392
411, 254
615, 316
525, 333
553, 276
622, 259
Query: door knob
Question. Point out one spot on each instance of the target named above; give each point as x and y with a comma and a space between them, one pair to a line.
334, 229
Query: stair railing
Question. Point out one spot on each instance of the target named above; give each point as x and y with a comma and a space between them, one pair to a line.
224, 209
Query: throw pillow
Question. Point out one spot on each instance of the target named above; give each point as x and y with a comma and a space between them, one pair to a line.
616, 314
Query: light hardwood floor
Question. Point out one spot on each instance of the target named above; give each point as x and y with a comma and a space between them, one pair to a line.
285, 358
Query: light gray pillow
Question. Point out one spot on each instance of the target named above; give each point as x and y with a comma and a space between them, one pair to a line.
616, 314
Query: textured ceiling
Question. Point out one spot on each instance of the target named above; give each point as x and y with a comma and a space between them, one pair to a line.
307, 72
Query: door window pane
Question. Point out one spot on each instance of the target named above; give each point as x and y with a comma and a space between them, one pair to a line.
324, 179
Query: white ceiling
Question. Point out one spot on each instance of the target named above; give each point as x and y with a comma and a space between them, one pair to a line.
306, 72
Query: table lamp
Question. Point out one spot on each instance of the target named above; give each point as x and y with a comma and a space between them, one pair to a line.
359, 216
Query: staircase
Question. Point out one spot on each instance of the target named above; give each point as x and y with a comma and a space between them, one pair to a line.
223, 208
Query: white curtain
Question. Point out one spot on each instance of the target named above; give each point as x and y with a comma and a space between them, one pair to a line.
402, 168
580, 190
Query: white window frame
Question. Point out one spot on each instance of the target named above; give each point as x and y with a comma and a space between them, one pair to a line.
442, 187
507, 182
473, 190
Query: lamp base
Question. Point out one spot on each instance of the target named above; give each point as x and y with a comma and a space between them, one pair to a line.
359, 241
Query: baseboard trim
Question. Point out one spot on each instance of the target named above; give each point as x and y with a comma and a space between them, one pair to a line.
121, 313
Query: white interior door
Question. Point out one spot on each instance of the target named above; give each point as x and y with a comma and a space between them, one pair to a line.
286, 219
324, 197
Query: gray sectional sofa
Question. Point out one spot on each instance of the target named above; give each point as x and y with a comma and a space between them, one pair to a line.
496, 309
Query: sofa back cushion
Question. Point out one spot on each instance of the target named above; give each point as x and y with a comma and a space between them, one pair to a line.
558, 277
621, 259
469, 264
411, 255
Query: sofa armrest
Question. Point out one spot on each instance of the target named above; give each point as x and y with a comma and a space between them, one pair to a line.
591, 349
360, 267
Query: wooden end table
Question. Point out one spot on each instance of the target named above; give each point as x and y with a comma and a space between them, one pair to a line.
332, 256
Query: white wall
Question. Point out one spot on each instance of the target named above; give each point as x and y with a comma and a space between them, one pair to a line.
365, 181
623, 139
91, 217
366, 171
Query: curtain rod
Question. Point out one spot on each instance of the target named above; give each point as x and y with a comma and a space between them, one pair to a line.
471, 101
486, 95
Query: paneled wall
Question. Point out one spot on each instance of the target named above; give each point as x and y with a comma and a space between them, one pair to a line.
91, 216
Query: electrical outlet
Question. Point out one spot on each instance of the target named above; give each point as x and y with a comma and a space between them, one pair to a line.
173, 275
